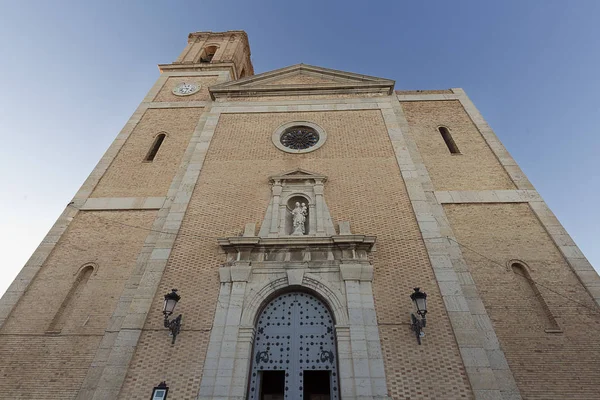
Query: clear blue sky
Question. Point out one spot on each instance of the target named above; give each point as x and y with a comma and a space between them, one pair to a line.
73, 72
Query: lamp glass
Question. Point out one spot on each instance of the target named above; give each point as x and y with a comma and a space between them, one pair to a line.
159, 394
169, 305
421, 304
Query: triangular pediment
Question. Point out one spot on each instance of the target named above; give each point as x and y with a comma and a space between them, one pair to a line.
298, 174
302, 79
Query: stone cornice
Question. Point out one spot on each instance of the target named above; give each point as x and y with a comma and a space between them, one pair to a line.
316, 250
343, 83
364, 242
195, 67
299, 90
193, 36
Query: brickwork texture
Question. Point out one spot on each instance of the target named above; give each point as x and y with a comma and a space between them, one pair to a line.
130, 175
233, 190
475, 168
545, 365
36, 364
546, 322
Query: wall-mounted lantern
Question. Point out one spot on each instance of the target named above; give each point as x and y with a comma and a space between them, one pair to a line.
160, 392
174, 326
419, 299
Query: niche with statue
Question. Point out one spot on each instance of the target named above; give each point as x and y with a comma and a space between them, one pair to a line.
297, 222
297, 206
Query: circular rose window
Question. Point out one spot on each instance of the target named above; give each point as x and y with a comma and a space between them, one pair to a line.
299, 137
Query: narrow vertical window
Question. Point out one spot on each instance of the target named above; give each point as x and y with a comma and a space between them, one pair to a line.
448, 139
533, 298
155, 146
70, 300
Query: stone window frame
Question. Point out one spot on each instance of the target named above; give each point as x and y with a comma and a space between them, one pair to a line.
276, 136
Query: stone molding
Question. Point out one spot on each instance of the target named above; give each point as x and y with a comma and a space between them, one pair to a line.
123, 203
427, 97
486, 196
314, 250
335, 268
356, 272
485, 363
276, 137
344, 82
109, 368
351, 302
179, 104
196, 68
316, 106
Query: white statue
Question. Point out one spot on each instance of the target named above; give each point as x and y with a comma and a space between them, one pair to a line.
299, 217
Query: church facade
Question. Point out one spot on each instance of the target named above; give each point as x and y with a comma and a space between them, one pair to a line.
295, 212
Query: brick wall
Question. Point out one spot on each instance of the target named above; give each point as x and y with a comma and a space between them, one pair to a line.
364, 187
37, 365
44, 367
129, 175
476, 168
545, 365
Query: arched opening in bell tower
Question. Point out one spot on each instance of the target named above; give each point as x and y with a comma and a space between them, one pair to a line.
208, 53
294, 355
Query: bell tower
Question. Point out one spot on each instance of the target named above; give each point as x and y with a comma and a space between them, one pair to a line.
215, 51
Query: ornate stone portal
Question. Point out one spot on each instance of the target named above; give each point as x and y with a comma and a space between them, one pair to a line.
294, 335
328, 269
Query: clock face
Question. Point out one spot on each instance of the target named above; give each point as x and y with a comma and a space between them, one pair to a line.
186, 89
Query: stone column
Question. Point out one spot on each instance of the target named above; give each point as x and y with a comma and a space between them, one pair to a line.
275, 210
366, 364
223, 358
319, 200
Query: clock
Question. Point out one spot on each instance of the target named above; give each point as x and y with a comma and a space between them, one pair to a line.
186, 89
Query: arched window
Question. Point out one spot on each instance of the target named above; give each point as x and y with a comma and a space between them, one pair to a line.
531, 297
208, 53
70, 300
448, 140
155, 146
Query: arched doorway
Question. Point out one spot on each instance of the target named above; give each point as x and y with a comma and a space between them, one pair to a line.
294, 354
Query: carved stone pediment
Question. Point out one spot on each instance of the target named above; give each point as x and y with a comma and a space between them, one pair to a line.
302, 79
296, 175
